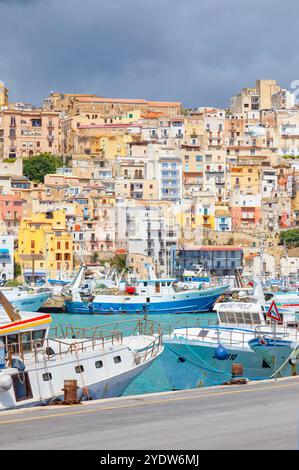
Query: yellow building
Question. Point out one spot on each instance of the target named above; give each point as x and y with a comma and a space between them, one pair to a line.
3, 95
245, 178
194, 130
45, 235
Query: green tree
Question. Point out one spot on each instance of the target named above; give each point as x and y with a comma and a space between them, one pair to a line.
290, 238
119, 261
17, 269
37, 167
95, 257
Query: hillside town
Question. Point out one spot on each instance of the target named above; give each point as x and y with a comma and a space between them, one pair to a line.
150, 183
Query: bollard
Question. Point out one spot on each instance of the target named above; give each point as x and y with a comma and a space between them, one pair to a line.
237, 370
70, 392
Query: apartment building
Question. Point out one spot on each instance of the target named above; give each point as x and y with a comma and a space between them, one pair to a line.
27, 133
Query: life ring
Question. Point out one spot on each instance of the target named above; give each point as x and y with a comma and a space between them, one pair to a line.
75, 347
185, 287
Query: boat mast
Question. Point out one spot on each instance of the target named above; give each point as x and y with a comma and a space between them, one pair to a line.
9, 310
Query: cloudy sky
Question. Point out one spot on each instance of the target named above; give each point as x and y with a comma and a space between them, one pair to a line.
197, 51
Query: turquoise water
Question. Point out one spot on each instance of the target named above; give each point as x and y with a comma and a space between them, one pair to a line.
153, 379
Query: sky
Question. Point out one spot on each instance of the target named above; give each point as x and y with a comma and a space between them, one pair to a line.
199, 52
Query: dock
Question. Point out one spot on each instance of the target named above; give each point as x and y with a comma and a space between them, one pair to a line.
257, 415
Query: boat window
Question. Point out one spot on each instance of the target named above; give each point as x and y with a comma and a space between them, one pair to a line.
26, 341
239, 317
13, 343
99, 364
47, 376
222, 317
247, 318
145, 284
231, 317
38, 334
117, 359
256, 318
79, 369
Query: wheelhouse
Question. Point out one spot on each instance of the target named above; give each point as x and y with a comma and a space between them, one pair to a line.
24, 335
239, 313
155, 286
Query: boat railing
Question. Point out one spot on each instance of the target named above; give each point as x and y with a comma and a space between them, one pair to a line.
53, 347
27, 350
230, 339
234, 334
149, 351
129, 327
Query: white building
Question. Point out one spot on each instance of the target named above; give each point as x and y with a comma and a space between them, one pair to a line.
6, 257
289, 266
149, 232
165, 165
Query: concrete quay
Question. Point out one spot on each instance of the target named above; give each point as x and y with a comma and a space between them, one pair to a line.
258, 415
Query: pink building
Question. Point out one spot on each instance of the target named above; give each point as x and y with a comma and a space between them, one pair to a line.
29, 132
243, 217
11, 211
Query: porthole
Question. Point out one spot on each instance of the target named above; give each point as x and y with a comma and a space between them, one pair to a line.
47, 377
117, 359
79, 369
99, 364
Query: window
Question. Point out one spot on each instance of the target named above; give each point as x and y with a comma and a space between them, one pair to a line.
47, 377
99, 364
79, 369
117, 359
38, 335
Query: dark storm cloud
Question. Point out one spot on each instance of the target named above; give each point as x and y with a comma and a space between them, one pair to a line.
199, 52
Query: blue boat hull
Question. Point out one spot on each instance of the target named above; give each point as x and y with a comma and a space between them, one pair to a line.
195, 365
198, 304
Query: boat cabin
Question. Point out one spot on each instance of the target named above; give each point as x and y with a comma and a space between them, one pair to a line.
155, 287
239, 313
195, 279
24, 335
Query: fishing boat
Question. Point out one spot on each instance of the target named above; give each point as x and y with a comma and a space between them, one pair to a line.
289, 300
104, 360
204, 356
155, 296
195, 279
27, 299
280, 351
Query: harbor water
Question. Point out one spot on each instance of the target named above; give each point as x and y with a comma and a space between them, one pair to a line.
153, 379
